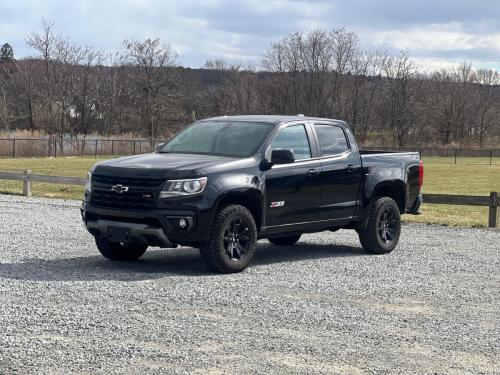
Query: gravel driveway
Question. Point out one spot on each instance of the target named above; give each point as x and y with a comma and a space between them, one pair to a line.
322, 306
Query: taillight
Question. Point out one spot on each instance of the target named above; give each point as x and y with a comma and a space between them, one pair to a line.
420, 174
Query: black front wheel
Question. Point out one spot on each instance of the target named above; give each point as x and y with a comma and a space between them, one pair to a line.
232, 241
384, 227
118, 251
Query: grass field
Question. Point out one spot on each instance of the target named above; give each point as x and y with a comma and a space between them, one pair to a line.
467, 177
70, 166
474, 176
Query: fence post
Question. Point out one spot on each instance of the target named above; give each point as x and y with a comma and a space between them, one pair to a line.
13, 148
134, 147
493, 212
27, 184
456, 156
491, 157
112, 147
95, 153
55, 147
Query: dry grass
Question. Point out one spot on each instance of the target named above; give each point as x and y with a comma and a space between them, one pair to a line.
36, 144
471, 177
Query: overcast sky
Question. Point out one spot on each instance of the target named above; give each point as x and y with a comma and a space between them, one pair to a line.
435, 32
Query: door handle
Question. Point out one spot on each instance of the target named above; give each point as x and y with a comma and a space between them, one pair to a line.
312, 172
350, 168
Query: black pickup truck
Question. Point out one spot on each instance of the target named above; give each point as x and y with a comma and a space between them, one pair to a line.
223, 183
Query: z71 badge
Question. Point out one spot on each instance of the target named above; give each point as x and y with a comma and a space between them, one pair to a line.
277, 204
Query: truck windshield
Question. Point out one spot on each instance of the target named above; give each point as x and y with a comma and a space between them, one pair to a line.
226, 138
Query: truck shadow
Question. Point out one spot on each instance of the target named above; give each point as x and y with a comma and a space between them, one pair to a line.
160, 263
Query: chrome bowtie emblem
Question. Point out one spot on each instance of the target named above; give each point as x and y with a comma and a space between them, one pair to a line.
120, 189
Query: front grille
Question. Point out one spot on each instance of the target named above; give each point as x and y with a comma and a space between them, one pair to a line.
138, 182
137, 200
141, 193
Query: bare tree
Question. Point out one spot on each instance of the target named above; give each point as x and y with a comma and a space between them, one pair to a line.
17, 82
368, 93
488, 101
362, 83
345, 45
44, 43
400, 96
156, 89
87, 91
444, 104
465, 77
234, 89
111, 92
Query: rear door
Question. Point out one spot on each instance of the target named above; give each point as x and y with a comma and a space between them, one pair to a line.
292, 190
340, 175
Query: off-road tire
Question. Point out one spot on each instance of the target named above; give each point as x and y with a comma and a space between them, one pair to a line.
215, 253
118, 251
285, 241
371, 238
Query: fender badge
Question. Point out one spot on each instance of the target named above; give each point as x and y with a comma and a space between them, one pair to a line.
277, 204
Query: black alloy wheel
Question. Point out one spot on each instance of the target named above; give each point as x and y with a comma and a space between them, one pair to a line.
387, 225
236, 239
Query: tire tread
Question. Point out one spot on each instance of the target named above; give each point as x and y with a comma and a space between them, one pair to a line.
368, 237
210, 251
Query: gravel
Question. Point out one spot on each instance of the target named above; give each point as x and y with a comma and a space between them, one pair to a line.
321, 306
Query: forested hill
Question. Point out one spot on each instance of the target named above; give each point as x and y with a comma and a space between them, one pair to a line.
69, 89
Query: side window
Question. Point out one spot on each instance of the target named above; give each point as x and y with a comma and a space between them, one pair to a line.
293, 138
332, 139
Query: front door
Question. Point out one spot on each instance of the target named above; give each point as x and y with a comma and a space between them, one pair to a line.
293, 190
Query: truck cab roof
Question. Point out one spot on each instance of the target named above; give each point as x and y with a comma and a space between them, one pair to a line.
273, 119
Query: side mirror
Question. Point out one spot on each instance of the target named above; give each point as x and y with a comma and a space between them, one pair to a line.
282, 157
159, 145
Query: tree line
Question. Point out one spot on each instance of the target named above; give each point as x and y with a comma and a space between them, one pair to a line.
67, 90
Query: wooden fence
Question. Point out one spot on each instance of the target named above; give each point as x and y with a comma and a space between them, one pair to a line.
470, 200
28, 177
491, 201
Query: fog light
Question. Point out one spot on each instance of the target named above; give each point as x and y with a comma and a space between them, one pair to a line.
183, 223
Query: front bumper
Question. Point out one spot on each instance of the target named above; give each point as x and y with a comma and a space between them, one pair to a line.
136, 233
157, 227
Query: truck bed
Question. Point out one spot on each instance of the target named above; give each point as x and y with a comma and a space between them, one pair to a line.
374, 152
369, 157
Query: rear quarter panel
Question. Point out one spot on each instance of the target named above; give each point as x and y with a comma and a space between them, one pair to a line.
391, 168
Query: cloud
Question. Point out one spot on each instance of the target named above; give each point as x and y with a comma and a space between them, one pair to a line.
433, 32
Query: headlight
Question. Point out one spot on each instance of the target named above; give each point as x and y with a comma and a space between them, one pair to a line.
173, 188
88, 186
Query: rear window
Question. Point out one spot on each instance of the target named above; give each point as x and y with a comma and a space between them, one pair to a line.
331, 139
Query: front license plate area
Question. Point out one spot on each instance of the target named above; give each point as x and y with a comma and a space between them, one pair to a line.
118, 234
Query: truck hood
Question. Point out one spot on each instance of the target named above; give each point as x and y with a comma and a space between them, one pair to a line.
166, 165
